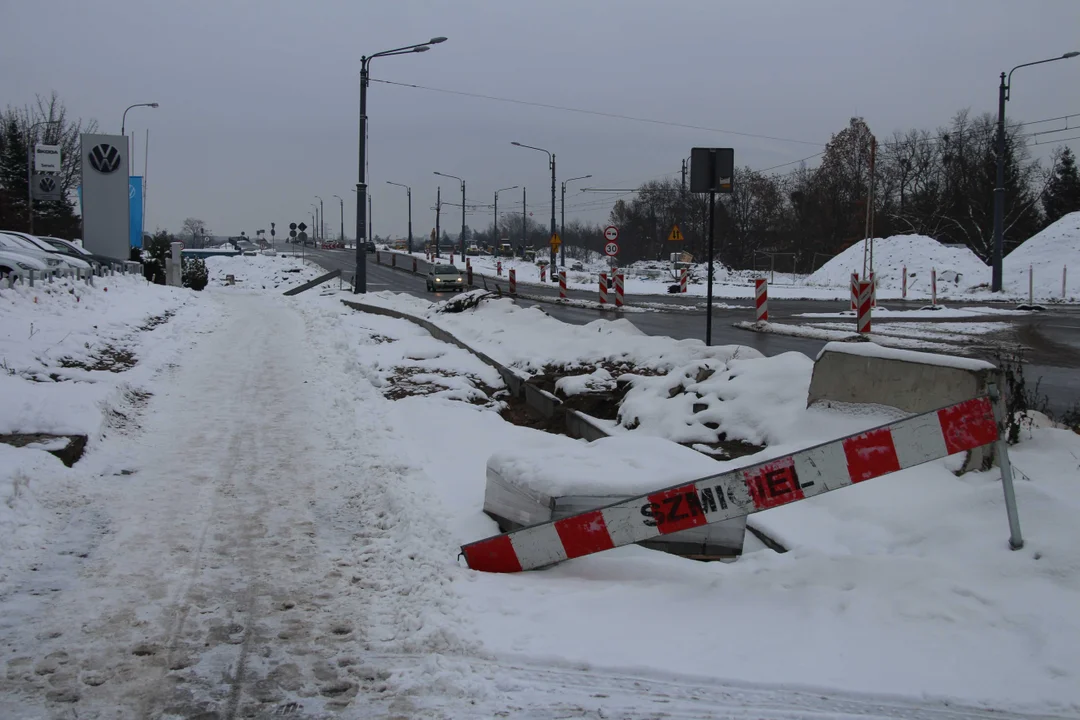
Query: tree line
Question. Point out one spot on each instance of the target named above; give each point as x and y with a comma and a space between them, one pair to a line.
46, 121
939, 184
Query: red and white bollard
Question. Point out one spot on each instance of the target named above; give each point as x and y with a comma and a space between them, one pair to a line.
866, 294
619, 285
873, 289
1064, 269
543, 273
933, 286
854, 291
684, 279
562, 284
513, 282
761, 299
603, 288
414, 264
468, 272
903, 291
451, 258
498, 268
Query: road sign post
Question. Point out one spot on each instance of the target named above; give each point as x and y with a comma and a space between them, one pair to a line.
712, 170
676, 234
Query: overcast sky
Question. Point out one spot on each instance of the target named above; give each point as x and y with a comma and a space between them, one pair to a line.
259, 98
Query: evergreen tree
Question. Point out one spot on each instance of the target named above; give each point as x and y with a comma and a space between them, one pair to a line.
1063, 191
12, 175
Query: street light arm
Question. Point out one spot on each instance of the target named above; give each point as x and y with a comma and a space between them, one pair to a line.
533, 148
123, 119
1008, 81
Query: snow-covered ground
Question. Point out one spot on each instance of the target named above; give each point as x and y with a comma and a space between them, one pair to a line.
961, 275
274, 529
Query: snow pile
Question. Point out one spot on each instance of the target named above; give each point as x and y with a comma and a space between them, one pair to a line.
957, 267
68, 349
614, 466
25, 476
755, 400
262, 272
1047, 253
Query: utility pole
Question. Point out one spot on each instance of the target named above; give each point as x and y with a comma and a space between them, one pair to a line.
524, 223
342, 219
438, 212
496, 223
562, 222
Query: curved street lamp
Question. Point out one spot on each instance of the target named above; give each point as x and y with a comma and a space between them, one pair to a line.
999, 190
551, 161
360, 283
123, 120
461, 240
562, 220
341, 201
408, 192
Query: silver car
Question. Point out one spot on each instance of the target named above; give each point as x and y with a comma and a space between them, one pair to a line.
445, 277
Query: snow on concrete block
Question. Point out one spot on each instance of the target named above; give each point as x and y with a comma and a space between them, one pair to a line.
915, 382
560, 477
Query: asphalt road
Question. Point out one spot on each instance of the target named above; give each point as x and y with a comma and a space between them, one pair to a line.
1052, 338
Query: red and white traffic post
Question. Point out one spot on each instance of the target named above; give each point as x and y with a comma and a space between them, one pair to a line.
498, 268
903, 290
619, 281
854, 291
933, 287
603, 288
736, 493
761, 299
873, 288
543, 273
684, 279
562, 284
513, 282
866, 292
414, 265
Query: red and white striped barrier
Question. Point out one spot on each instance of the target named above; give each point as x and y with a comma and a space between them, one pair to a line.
873, 289
543, 273
903, 290
562, 284
866, 293
854, 291
933, 286
603, 288
620, 281
498, 268
761, 299
468, 273
830, 466
684, 279
513, 282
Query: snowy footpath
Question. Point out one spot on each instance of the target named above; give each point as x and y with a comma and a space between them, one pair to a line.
272, 528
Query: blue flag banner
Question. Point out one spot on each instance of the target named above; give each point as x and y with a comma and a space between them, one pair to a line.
135, 222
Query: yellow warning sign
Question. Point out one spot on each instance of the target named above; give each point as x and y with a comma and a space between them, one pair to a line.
676, 234
556, 241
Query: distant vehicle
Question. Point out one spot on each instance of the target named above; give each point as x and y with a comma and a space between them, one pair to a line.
577, 266
369, 246
36, 244
506, 250
247, 248
269, 251
444, 277
14, 244
17, 264
472, 250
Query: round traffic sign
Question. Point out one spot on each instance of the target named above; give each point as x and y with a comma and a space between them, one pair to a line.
611, 249
611, 234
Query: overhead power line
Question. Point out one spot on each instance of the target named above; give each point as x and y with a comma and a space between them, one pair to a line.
598, 113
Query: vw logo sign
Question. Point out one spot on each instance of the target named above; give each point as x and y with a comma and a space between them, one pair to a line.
104, 158
47, 184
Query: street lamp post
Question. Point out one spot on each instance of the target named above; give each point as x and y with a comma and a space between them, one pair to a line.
123, 120
551, 161
999, 189
562, 220
319, 221
360, 284
408, 193
496, 243
461, 240
30, 171
342, 202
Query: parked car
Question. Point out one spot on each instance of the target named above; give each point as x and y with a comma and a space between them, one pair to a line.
247, 248
33, 242
369, 246
66, 247
15, 244
444, 277
17, 264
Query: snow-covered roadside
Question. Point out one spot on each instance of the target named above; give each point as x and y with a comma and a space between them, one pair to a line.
286, 545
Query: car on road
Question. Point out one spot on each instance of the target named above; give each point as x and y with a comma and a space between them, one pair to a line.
369, 246
444, 277
16, 243
18, 264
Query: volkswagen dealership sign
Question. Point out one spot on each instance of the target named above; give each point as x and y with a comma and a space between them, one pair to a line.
105, 195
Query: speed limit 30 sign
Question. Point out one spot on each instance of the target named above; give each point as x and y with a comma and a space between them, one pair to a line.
611, 249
